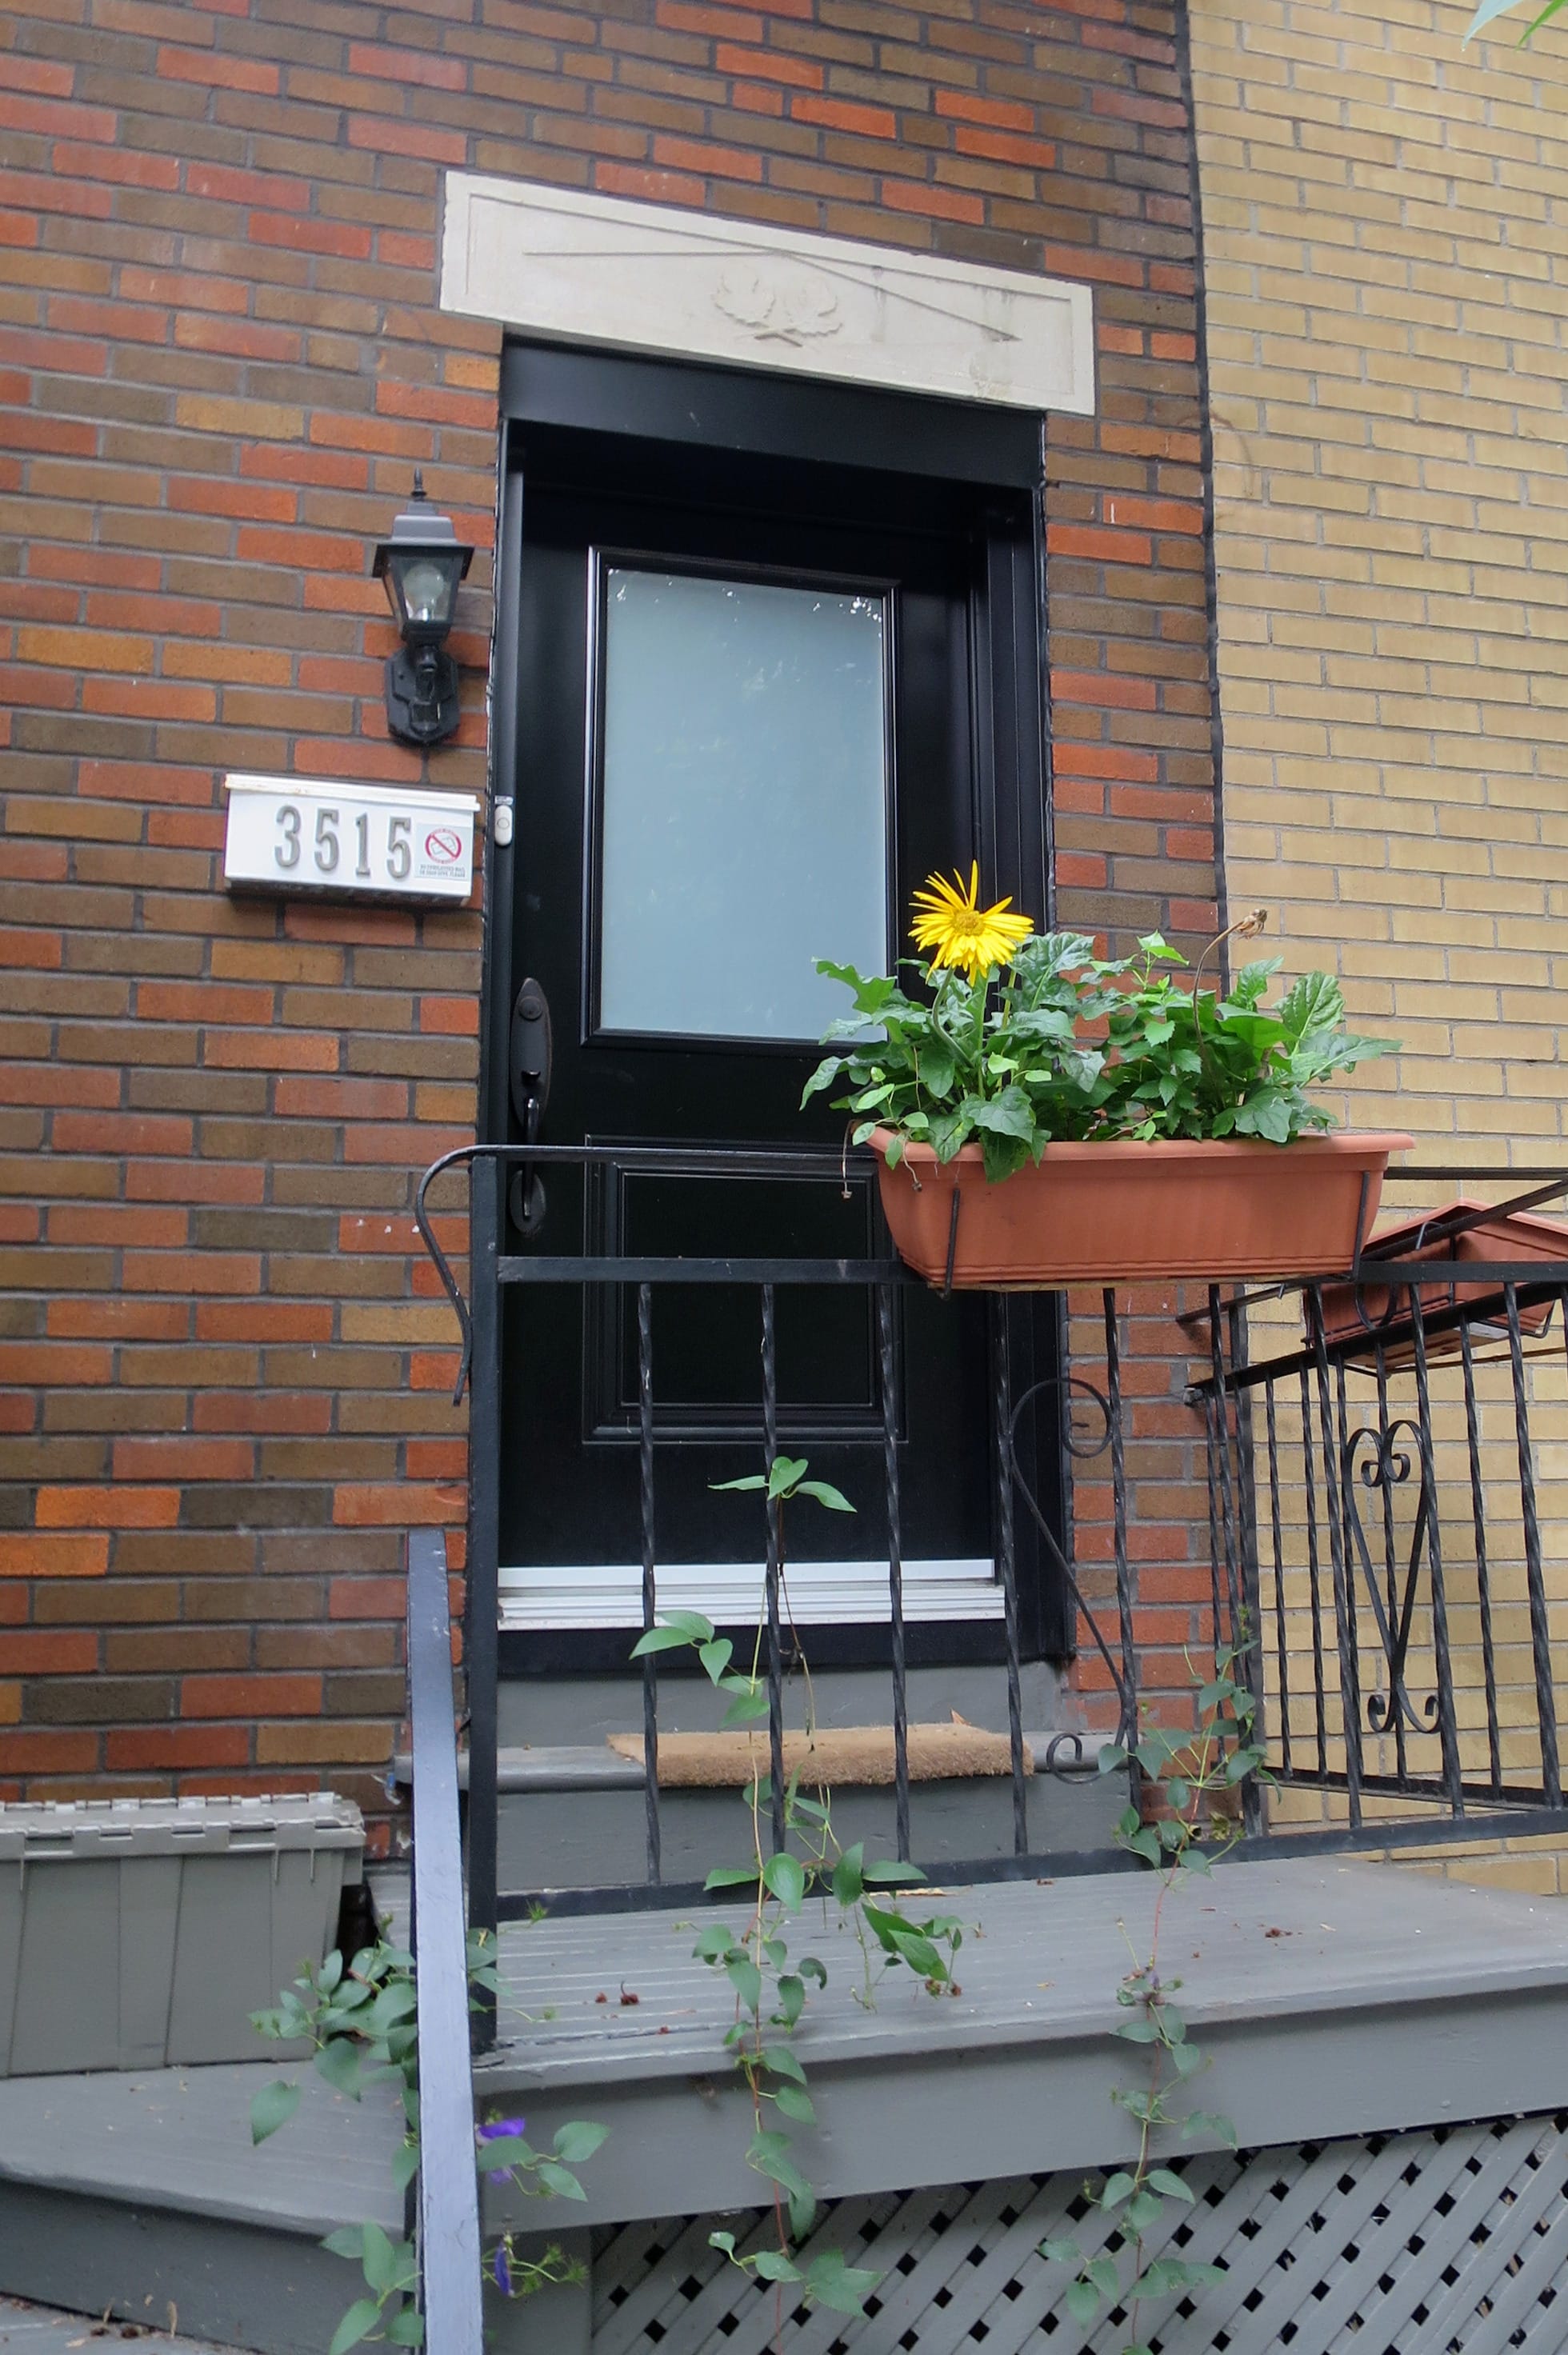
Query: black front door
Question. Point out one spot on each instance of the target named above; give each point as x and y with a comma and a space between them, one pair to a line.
748, 727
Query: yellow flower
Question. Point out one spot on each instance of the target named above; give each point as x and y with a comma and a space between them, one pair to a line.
950, 922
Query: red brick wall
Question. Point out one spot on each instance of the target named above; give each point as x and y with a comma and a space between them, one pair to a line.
222, 1366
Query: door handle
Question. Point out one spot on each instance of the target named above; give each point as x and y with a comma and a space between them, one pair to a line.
530, 1059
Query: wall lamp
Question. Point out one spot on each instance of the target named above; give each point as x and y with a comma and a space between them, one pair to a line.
420, 566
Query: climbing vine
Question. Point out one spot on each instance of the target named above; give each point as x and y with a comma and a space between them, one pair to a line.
359, 2017
1193, 1781
769, 1978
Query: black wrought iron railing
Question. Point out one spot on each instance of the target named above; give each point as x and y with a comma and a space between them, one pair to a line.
1385, 1494
447, 2230
1389, 1497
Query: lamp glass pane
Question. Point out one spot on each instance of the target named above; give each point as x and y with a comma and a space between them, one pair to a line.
744, 818
428, 585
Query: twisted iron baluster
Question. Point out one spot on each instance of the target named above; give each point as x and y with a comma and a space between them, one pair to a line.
895, 1565
1349, 1677
650, 1598
775, 1565
1127, 1729
1483, 1572
1006, 1563
1220, 1394
1446, 1727
1314, 1568
1540, 1628
1282, 1648
1212, 1453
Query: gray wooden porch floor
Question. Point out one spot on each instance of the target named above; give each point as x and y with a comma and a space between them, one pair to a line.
1331, 1997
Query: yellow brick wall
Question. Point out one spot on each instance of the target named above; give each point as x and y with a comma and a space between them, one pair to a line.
1385, 218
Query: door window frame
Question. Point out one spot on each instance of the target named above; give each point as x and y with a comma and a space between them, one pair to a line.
603, 559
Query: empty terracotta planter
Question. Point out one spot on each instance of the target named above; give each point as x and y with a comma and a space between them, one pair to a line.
1129, 1212
1351, 1314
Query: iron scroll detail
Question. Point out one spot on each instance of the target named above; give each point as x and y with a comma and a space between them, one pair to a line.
1395, 1452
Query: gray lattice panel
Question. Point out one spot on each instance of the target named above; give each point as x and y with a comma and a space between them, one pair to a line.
1449, 2242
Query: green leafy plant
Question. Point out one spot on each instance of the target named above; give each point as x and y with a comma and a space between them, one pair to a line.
1192, 1777
360, 2019
1059, 1043
770, 1980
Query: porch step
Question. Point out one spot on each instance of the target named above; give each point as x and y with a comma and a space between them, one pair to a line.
29, 2330
572, 1815
140, 2192
1329, 1998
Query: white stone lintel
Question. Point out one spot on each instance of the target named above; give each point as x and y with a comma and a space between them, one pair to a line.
591, 270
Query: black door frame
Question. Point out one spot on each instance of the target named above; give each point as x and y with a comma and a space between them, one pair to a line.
938, 443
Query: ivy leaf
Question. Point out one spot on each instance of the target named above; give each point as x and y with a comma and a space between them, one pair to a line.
784, 1875
848, 1878
781, 2060
772, 2264
746, 1980
841, 2287
340, 2063
750, 1480
731, 1876
1118, 2188
272, 2108
1161, 2180
360, 2319
659, 1639
826, 1494
1082, 2301
1060, 2253
578, 2140
559, 2180
348, 2241
785, 1475
791, 1999
380, 2259
769, 2154
796, 2102
1143, 2209
407, 2327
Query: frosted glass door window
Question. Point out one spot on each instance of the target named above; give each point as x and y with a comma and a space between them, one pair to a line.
744, 792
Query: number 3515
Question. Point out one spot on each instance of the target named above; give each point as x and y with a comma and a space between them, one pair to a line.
326, 849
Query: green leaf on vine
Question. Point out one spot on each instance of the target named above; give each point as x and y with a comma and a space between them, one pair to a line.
785, 1877
1082, 2301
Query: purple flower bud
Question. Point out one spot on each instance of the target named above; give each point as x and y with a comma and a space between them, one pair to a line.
494, 2132
497, 2128
502, 2270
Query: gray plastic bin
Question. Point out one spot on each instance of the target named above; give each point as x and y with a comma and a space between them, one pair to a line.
140, 1933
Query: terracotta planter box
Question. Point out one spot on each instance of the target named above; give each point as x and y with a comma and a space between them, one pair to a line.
1349, 1314
1130, 1212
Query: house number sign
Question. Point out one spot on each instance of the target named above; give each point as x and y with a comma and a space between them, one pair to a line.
346, 841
